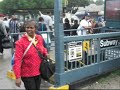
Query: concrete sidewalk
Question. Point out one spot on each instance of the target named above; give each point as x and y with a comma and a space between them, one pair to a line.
5, 65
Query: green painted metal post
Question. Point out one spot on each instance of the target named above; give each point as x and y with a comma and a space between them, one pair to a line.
98, 53
59, 49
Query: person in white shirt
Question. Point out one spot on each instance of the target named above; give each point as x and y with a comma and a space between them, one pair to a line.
49, 24
6, 22
48, 21
85, 25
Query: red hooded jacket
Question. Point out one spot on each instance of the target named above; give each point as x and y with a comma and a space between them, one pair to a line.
29, 65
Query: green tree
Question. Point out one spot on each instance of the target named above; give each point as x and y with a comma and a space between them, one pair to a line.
91, 2
99, 2
8, 5
78, 3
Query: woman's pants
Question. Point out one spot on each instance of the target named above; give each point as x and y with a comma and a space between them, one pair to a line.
32, 82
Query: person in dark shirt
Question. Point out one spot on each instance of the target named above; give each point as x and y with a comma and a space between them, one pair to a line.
14, 28
66, 27
3, 33
75, 26
41, 25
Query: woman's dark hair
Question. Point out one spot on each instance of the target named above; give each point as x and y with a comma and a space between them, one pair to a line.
31, 22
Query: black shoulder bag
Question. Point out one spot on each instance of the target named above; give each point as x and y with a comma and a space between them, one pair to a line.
6, 43
47, 67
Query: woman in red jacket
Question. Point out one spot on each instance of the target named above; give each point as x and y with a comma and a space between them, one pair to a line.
27, 68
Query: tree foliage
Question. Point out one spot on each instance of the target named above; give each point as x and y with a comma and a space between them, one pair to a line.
8, 5
99, 2
78, 3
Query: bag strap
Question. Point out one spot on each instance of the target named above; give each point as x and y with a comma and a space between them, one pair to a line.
41, 55
28, 47
43, 58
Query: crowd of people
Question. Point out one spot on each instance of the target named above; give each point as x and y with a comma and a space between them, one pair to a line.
11, 26
26, 68
45, 23
85, 25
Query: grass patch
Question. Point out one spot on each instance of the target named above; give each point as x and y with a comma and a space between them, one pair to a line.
116, 72
105, 78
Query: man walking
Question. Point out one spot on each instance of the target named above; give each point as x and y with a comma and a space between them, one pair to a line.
3, 32
14, 28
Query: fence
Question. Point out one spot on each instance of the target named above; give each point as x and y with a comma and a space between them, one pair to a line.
86, 56
44, 34
47, 35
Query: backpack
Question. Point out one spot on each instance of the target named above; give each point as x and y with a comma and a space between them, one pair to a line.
42, 27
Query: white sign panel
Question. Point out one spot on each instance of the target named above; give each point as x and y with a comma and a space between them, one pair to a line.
75, 51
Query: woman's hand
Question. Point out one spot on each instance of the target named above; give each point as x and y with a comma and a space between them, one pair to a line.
18, 82
91, 31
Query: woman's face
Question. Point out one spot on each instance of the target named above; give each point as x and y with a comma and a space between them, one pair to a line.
30, 29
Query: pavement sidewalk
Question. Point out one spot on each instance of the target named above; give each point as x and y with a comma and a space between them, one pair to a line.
5, 65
